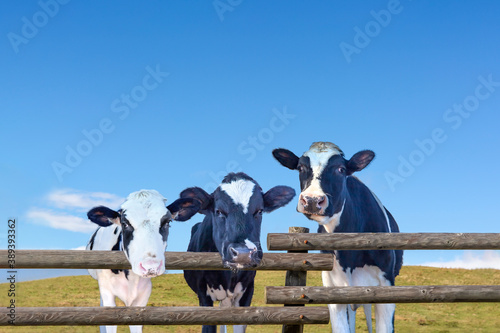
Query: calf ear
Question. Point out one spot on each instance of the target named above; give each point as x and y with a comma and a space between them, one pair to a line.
183, 209
286, 158
277, 197
205, 199
103, 216
359, 161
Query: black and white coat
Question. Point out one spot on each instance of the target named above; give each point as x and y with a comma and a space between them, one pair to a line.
231, 227
340, 202
140, 229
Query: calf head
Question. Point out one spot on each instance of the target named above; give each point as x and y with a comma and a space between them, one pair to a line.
144, 222
323, 173
236, 209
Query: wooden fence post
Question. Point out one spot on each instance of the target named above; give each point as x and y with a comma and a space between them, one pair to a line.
295, 278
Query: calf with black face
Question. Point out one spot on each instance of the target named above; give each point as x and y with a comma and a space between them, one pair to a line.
340, 202
232, 224
140, 230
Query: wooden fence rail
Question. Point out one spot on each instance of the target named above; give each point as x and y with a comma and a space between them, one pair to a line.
295, 278
173, 260
298, 262
396, 294
384, 241
57, 316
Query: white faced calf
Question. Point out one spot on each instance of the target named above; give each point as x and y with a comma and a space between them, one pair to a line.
140, 230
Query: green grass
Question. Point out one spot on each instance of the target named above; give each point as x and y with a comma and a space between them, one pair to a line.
171, 290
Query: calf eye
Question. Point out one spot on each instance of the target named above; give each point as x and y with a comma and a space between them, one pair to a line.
301, 168
341, 170
220, 213
258, 213
126, 224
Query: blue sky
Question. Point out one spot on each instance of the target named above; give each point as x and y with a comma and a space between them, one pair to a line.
100, 99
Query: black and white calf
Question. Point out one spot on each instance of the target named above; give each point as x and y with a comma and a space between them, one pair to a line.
140, 230
340, 202
232, 223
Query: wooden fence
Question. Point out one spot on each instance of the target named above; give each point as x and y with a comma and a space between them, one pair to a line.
173, 260
384, 241
295, 293
63, 316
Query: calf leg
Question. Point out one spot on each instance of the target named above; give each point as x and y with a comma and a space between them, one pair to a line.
245, 300
384, 317
107, 299
239, 328
205, 300
368, 314
135, 328
351, 318
209, 329
338, 312
338, 318
384, 313
141, 300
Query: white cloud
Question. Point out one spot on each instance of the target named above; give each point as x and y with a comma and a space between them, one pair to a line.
470, 260
59, 220
80, 248
83, 201
67, 209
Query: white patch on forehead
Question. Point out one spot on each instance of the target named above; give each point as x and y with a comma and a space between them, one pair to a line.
319, 153
240, 191
144, 205
324, 147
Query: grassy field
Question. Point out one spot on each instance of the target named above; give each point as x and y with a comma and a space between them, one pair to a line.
171, 290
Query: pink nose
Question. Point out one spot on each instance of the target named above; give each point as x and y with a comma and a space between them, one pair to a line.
313, 204
150, 268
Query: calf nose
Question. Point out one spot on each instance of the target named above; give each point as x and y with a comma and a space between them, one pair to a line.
313, 204
150, 268
243, 256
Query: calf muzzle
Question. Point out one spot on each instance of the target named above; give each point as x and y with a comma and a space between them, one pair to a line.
151, 268
312, 204
240, 257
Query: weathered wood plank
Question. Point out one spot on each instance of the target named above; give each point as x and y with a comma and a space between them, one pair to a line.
173, 260
384, 241
295, 278
397, 294
163, 316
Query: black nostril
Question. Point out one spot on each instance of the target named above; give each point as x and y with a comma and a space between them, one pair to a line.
233, 251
